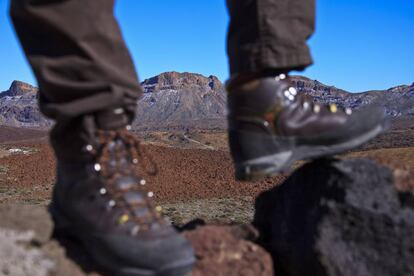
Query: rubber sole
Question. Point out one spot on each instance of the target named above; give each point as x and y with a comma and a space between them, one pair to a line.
63, 227
272, 165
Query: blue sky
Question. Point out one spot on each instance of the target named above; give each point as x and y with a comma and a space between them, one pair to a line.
359, 44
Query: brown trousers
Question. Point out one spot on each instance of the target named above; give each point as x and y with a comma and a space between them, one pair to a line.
84, 70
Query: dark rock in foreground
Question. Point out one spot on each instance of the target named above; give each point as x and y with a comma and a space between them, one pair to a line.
28, 248
335, 217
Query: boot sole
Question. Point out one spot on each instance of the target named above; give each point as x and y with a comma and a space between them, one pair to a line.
63, 227
273, 165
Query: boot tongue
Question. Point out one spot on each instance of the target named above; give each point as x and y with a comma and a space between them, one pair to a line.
111, 119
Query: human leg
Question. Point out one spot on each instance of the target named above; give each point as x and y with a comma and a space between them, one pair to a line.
269, 36
89, 87
82, 66
270, 124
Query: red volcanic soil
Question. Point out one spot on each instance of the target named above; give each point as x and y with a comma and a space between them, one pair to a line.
183, 175
13, 135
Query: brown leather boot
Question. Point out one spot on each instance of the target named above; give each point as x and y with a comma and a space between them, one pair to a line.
106, 206
271, 126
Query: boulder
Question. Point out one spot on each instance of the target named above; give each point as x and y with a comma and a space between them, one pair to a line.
224, 251
338, 217
28, 247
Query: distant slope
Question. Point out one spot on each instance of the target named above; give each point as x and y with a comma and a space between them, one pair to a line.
19, 135
181, 99
174, 100
397, 101
18, 107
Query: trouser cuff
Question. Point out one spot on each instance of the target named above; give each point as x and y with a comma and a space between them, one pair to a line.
111, 119
269, 63
69, 138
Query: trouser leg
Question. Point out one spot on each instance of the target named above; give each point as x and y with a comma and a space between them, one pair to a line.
269, 35
84, 71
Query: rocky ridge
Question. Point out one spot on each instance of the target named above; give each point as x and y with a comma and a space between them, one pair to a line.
397, 101
18, 107
174, 100
181, 99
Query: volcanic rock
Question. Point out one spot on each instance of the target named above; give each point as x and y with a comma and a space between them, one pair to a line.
221, 251
334, 217
28, 247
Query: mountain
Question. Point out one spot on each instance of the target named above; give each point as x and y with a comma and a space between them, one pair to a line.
18, 107
175, 100
19, 88
398, 101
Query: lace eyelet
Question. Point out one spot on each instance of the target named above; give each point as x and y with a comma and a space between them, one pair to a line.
97, 167
293, 91
118, 111
280, 77
135, 230
333, 108
123, 219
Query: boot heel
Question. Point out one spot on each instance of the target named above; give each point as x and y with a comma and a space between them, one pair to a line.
266, 166
61, 223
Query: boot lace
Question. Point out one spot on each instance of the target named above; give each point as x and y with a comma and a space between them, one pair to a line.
115, 157
290, 95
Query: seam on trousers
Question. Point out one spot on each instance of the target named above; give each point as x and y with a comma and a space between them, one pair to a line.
260, 17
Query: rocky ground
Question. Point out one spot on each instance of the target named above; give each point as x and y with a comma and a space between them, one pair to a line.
330, 217
28, 247
183, 175
195, 180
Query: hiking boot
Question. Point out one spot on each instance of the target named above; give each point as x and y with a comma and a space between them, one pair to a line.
106, 206
271, 127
